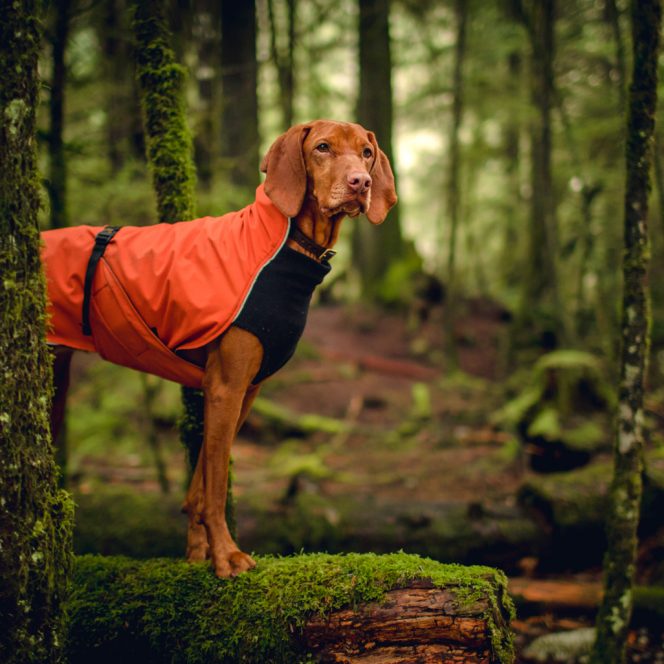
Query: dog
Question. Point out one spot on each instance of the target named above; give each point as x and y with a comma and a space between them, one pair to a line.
154, 298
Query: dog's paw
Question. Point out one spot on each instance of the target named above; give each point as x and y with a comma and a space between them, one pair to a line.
231, 564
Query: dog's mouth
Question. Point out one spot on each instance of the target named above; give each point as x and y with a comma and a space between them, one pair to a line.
353, 207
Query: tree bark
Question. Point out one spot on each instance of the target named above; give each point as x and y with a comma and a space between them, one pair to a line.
239, 78
376, 248
169, 151
352, 608
35, 516
625, 493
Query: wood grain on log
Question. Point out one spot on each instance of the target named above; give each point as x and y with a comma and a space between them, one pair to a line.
418, 624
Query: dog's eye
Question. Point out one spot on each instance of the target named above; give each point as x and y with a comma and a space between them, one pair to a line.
367, 153
323, 147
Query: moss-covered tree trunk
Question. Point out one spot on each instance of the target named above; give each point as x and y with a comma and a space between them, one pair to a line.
625, 494
35, 516
376, 248
170, 157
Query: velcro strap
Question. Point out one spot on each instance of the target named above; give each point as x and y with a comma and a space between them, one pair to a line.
101, 242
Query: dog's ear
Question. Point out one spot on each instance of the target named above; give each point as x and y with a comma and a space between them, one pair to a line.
286, 176
383, 191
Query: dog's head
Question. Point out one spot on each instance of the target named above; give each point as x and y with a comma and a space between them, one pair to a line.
338, 165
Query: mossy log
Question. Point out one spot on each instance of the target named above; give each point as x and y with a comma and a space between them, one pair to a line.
572, 507
351, 608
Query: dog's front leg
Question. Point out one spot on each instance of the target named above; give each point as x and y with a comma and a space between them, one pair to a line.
197, 541
230, 368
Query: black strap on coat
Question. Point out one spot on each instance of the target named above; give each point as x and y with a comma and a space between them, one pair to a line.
101, 242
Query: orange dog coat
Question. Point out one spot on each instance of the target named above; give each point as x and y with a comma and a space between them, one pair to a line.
162, 288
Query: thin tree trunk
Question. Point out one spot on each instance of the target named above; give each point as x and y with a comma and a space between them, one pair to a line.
285, 64
625, 494
207, 37
35, 516
57, 184
115, 69
57, 188
453, 193
376, 248
239, 74
541, 281
544, 241
169, 150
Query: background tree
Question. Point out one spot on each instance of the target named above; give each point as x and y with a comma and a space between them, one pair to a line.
207, 35
170, 157
625, 493
57, 183
239, 116
283, 57
453, 186
376, 248
541, 282
35, 516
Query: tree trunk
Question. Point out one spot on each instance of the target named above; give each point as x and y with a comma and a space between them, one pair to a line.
239, 74
35, 516
57, 182
541, 281
625, 494
169, 151
207, 38
376, 248
453, 193
352, 608
57, 187
284, 62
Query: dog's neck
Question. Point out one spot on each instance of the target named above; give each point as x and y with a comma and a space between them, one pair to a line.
321, 229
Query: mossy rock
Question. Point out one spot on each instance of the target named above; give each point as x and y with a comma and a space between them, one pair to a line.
560, 411
167, 611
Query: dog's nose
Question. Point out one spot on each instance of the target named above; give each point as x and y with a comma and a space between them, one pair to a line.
359, 182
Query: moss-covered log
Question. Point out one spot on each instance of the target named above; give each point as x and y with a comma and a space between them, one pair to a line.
352, 608
571, 508
35, 517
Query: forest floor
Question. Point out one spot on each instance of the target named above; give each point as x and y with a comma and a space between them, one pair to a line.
407, 440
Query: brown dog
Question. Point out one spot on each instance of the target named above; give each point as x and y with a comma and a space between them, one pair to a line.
316, 174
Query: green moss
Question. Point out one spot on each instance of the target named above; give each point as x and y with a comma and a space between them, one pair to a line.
167, 611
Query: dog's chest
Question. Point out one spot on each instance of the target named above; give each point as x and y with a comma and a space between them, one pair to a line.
276, 308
